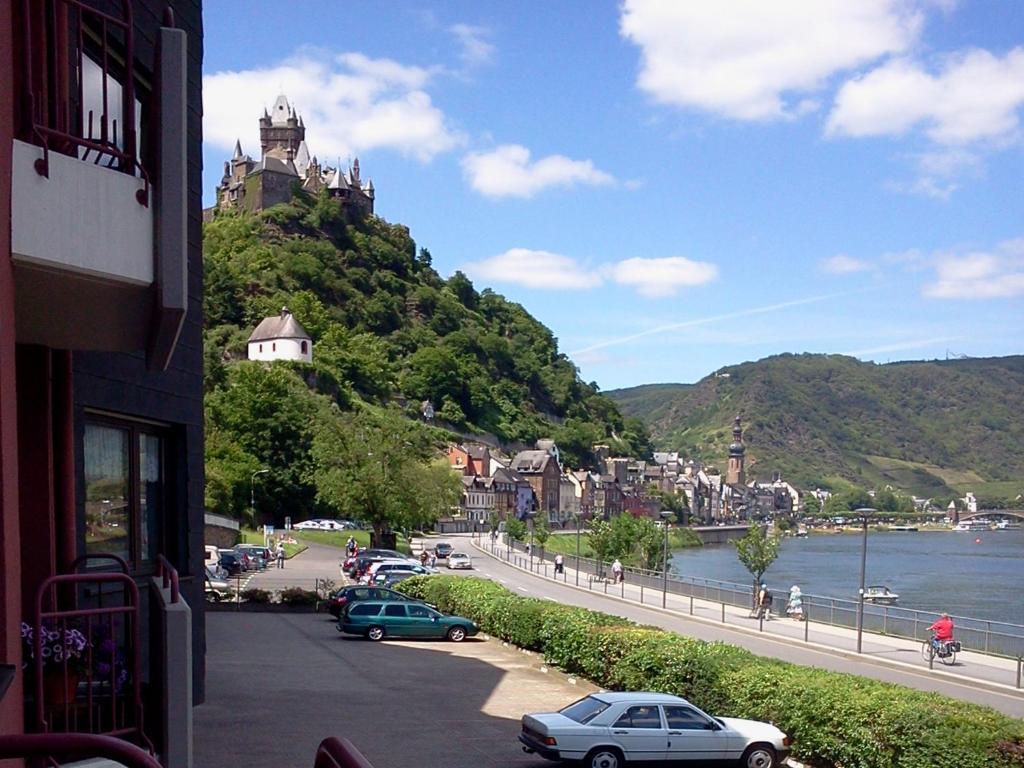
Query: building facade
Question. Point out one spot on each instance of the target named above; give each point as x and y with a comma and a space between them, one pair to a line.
281, 338
101, 390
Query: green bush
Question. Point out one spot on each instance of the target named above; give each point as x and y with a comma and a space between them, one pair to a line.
835, 719
254, 595
298, 596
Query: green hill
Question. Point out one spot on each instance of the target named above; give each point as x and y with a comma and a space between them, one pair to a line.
923, 427
388, 333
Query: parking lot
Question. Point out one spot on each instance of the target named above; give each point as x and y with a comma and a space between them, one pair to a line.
278, 683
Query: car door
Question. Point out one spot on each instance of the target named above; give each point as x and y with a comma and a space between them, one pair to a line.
693, 736
422, 621
640, 732
396, 620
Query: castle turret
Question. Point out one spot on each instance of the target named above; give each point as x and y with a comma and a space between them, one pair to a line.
736, 474
280, 130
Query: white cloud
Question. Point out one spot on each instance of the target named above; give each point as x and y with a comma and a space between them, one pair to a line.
841, 264
975, 97
994, 274
535, 269
756, 60
658, 278
476, 50
902, 346
349, 102
507, 172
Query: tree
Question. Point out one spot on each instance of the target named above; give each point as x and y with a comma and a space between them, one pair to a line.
650, 544
377, 469
541, 531
515, 529
601, 537
757, 551
812, 506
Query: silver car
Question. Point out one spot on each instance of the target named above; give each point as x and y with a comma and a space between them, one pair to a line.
609, 729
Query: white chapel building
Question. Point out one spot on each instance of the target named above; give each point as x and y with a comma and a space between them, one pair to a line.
281, 338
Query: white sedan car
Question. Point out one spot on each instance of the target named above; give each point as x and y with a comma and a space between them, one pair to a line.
459, 560
609, 729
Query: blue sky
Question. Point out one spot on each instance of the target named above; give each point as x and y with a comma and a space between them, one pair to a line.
669, 186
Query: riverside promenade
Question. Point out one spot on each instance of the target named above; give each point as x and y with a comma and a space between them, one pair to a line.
983, 679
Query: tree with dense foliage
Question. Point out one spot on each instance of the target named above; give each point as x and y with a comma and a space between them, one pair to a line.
757, 551
541, 532
515, 529
601, 537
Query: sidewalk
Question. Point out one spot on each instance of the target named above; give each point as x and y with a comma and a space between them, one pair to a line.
984, 671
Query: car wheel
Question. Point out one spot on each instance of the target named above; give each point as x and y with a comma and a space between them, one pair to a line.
457, 634
604, 757
375, 633
758, 756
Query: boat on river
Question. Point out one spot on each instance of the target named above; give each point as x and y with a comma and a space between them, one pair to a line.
880, 594
973, 525
902, 527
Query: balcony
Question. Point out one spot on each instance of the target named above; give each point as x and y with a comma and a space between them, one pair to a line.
98, 182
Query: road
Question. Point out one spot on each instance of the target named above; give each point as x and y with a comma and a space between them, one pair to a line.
884, 665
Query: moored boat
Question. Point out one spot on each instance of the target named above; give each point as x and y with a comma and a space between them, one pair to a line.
880, 595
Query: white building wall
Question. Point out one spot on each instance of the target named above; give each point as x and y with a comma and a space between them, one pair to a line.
281, 349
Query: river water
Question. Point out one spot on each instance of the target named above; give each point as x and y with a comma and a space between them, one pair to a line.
979, 574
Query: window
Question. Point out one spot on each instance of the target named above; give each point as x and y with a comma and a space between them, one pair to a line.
685, 719
419, 612
261, 347
364, 609
646, 716
394, 610
273, 347
304, 347
125, 469
584, 710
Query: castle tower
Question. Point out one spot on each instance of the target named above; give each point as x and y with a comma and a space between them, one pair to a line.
281, 130
736, 474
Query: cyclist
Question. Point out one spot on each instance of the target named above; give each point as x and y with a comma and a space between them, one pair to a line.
942, 631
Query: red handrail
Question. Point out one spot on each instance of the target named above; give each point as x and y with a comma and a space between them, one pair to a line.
169, 574
77, 746
335, 752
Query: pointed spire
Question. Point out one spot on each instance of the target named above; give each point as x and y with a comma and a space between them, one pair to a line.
238, 150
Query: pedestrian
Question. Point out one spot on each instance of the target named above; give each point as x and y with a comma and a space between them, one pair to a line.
433, 559
795, 605
280, 555
350, 546
559, 564
617, 575
424, 558
764, 603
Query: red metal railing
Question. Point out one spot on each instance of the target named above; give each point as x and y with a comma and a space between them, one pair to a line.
339, 753
55, 116
98, 689
169, 574
75, 746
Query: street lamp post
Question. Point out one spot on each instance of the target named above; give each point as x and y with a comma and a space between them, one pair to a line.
864, 513
252, 492
666, 515
579, 518
530, 516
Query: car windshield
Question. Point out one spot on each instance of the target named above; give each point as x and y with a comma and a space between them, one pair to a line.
584, 710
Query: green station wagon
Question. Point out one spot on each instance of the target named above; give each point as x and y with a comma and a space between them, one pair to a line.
376, 620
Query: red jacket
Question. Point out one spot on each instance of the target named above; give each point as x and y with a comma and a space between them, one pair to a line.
943, 628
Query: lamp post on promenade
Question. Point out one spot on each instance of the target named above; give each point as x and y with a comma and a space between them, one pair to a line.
666, 515
579, 519
864, 513
530, 516
252, 492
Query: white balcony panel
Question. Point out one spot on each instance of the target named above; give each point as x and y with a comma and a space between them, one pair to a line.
82, 218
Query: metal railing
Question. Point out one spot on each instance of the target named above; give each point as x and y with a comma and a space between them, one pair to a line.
994, 638
57, 36
75, 746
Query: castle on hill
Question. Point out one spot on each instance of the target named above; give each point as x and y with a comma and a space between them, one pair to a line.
286, 164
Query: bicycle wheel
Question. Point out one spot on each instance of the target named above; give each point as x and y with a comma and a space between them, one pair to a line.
927, 650
949, 659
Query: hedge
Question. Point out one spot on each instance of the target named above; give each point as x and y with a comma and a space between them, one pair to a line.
835, 719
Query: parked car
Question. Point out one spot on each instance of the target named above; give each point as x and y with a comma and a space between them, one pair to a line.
442, 549
365, 562
231, 562
610, 729
258, 551
377, 619
215, 587
348, 595
348, 565
250, 560
380, 571
309, 525
460, 560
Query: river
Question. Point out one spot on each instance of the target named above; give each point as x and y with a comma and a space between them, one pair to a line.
979, 574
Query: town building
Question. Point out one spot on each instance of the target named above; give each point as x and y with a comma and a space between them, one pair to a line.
101, 369
286, 165
736, 474
541, 470
281, 337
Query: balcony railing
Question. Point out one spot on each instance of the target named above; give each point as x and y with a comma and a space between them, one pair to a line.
66, 44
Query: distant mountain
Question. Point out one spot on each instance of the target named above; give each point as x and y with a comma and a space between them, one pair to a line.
930, 428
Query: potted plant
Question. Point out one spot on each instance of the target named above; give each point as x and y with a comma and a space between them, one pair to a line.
63, 651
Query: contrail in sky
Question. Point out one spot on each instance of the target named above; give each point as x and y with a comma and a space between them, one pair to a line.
902, 345
712, 319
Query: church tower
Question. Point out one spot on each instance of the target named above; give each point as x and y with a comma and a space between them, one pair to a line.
281, 131
736, 474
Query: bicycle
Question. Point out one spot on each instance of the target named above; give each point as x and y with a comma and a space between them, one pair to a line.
944, 650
